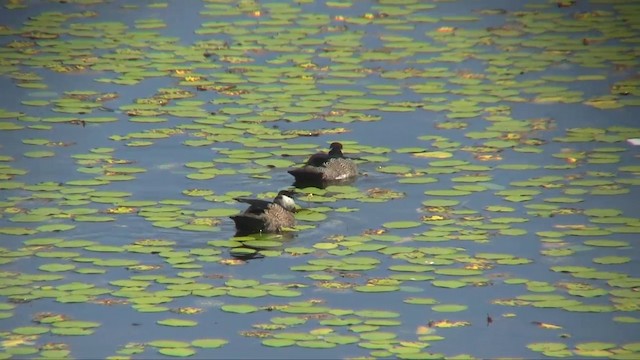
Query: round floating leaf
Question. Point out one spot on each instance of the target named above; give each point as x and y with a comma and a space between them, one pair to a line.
75, 324
209, 343
401, 224
72, 331
284, 293
10, 126
56, 267
275, 163
54, 354
626, 319
239, 308
394, 169
457, 272
381, 314
310, 216
300, 336
420, 301
278, 342
565, 200
242, 283
449, 308
378, 336
39, 154
376, 288
73, 299
30, 330
634, 346
316, 344
104, 248
609, 260
94, 218
411, 268
177, 322
168, 344
16, 231
341, 339
602, 212
177, 352
29, 218
595, 346
547, 347
440, 202
57, 254
55, 227
590, 308
20, 351
451, 284
606, 243
246, 293
588, 293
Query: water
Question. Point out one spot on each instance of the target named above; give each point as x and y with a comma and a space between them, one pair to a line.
254, 44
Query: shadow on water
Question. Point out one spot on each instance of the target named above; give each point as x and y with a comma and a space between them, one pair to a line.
320, 184
254, 245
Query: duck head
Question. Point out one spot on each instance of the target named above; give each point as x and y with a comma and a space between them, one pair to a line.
285, 199
335, 149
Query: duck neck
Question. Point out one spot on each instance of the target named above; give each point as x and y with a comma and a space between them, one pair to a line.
335, 153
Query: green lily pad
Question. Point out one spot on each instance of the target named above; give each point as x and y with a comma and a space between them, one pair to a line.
609, 260
376, 288
278, 342
247, 293
56, 267
39, 154
177, 322
420, 301
451, 284
606, 243
316, 344
626, 319
72, 331
449, 308
401, 224
394, 169
30, 330
239, 308
177, 352
457, 272
445, 192
209, 343
168, 344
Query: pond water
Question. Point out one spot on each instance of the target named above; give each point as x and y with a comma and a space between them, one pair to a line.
495, 214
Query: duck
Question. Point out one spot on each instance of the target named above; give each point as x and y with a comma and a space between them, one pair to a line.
266, 216
326, 167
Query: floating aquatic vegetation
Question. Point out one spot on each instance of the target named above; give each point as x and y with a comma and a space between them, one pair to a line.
514, 135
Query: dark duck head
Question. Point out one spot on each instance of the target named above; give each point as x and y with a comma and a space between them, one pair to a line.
319, 159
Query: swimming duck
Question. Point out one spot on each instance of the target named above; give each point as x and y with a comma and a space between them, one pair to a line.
266, 216
326, 167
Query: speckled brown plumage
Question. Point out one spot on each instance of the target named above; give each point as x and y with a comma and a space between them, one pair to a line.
266, 216
323, 167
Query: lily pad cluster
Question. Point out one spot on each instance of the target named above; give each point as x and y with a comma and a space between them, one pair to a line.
498, 185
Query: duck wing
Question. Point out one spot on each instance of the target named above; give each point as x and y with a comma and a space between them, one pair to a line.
257, 205
307, 173
318, 159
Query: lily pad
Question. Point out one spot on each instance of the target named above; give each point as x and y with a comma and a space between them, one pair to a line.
177, 322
